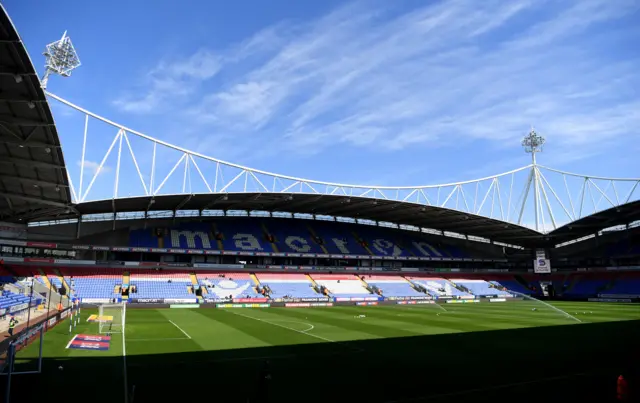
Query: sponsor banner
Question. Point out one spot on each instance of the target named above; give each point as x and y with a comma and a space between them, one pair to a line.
38, 260
180, 300
121, 249
462, 301
217, 300
304, 299
541, 266
618, 296
64, 314
409, 269
19, 307
185, 306
366, 303
42, 245
52, 321
408, 298
415, 302
307, 304
95, 300
497, 300
12, 242
467, 297
91, 337
77, 344
625, 300
135, 264
250, 300
12, 259
243, 305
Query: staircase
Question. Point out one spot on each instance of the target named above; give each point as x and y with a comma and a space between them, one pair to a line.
360, 240
44, 277
125, 280
458, 286
313, 233
64, 282
194, 282
215, 231
312, 280
265, 230
415, 286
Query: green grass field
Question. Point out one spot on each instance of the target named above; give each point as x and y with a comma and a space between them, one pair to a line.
395, 353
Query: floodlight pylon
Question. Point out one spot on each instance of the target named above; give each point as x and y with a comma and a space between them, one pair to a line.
61, 58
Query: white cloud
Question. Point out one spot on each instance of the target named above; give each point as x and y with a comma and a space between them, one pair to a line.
91, 167
171, 79
446, 74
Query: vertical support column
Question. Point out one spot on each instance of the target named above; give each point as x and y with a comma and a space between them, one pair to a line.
115, 187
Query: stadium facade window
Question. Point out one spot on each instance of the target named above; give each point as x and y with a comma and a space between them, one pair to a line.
187, 213
259, 213
237, 213
212, 213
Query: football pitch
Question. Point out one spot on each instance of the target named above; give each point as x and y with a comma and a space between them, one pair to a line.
402, 353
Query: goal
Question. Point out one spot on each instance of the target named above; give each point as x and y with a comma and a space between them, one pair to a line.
111, 318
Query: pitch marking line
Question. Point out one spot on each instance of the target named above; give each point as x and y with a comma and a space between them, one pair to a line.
295, 330
180, 329
284, 327
71, 341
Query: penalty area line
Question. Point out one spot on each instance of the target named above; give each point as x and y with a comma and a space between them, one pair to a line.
180, 329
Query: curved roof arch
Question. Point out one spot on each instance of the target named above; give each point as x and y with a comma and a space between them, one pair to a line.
493, 196
33, 175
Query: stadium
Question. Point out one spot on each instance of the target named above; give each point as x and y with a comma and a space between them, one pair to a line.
219, 282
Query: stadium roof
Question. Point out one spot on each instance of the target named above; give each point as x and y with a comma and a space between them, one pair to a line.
33, 176
392, 211
322, 204
620, 215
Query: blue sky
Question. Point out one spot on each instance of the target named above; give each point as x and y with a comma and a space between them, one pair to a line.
371, 92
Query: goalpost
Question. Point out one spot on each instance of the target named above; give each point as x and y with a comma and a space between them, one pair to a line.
112, 318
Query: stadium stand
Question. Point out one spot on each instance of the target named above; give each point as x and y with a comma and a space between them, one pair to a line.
95, 283
288, 285
479, 287
342, 285
294, 236
154, 284
393, 286
439, 287
224, 285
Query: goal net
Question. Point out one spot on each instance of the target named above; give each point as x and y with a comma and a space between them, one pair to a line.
111, 318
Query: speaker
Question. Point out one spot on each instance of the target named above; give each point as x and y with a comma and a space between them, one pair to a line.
198, 292
62, 291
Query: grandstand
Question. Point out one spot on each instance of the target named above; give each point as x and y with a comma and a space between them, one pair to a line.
363, 287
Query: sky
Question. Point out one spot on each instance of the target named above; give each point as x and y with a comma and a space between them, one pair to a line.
366, 92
